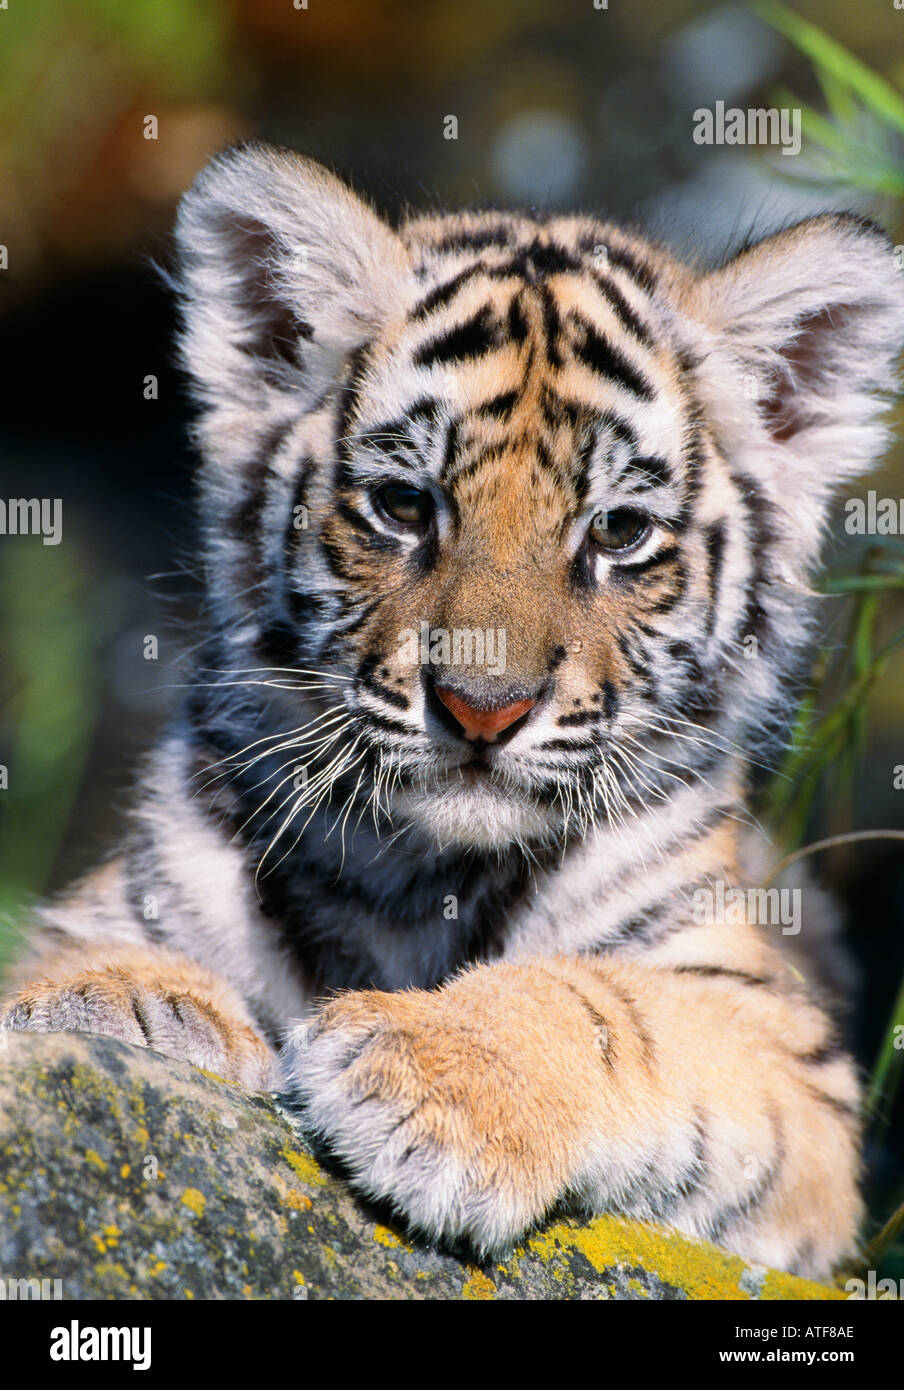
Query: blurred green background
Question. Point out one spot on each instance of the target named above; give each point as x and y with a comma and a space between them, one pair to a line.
558, 104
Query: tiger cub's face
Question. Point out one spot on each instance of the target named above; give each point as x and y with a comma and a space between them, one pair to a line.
514, 504
541, 498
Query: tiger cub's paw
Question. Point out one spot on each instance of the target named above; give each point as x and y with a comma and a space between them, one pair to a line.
431, 1111
177, 1021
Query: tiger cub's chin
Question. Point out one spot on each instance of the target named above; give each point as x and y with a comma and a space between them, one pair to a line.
483, 816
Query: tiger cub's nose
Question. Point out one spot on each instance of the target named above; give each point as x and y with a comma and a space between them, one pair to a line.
483, 723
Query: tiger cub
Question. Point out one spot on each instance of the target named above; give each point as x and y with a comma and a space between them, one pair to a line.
507, 526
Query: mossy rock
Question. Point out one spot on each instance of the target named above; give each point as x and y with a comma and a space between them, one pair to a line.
127, 1175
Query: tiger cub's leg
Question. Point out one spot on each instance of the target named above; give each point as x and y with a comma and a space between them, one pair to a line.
146, 996
702, 1097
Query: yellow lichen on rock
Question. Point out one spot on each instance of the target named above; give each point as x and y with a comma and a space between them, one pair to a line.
698, 1270
304, 1167
384, 1236
194, 1200
479, 1286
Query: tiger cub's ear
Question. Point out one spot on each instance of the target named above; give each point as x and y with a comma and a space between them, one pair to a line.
796, 342
283, 271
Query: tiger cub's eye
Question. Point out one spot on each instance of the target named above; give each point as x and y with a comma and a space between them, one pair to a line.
407, 506
618, 530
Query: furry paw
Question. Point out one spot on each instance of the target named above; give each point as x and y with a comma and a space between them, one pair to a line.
168, 1017
441, 1103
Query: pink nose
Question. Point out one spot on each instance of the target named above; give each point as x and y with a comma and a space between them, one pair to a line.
483, 723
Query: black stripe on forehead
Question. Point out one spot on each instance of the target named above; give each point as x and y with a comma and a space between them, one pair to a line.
541, 258
477, 239
620, 428
441, 294
552, 326
424, 411
474, 337
396, 439
391, 441
421, 412
590, 428
487, 453
530, 264
559, 410
633, 263
499, 407
620, 306
516, 323
450, 448
586, 447
595, 351
483, 332
642, 473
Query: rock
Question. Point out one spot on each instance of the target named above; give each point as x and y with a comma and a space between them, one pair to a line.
124, 1174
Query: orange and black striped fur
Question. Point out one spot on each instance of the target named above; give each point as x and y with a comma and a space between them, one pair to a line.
450, 904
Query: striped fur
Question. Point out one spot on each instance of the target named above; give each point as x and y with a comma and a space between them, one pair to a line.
524, 1010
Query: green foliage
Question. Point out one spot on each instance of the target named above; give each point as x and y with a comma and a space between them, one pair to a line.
822, 759
860, 143
855, 145
828, 734
87, 59
50, 671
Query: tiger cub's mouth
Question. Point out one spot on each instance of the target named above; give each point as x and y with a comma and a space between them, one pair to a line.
485, 800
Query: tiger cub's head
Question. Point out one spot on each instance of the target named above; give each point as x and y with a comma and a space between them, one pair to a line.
538, 501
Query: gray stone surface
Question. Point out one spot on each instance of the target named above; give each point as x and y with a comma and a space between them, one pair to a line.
126, 1175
